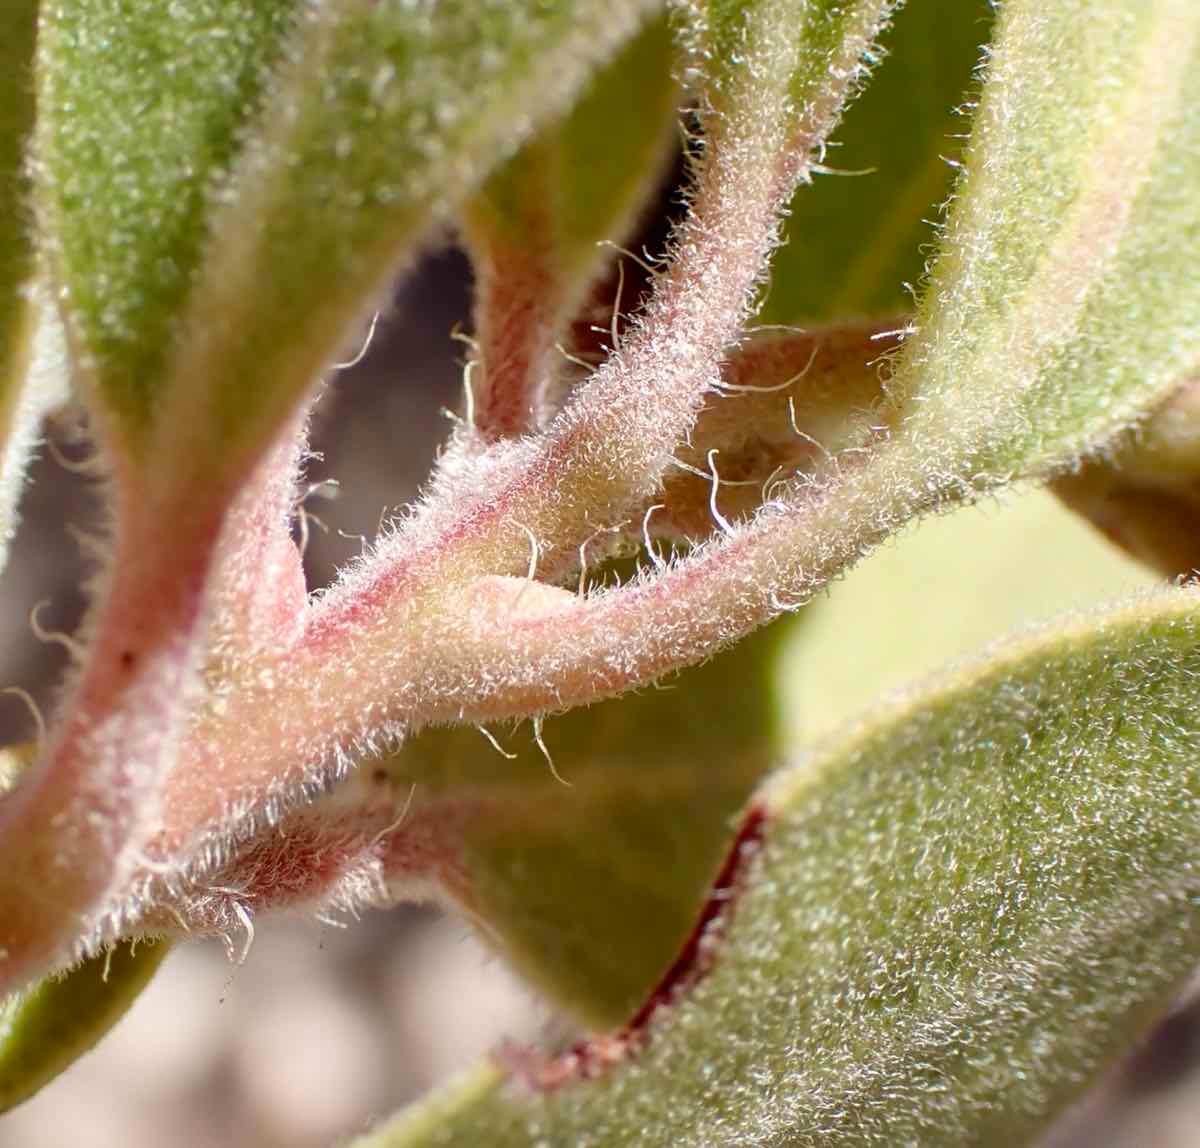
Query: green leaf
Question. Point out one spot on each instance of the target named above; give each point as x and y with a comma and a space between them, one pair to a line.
591, 886
854, 238
18, 22
142, 110
386, 117
939, 592
193, 220
1066, 302
45, 1029
23, 398
964, 906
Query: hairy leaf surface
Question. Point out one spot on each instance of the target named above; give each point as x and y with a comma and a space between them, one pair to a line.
963, 906
143, 108
738, 45
385, 117
1065, 302
225, 174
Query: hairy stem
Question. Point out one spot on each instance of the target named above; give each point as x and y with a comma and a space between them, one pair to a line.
73, 829
395, 627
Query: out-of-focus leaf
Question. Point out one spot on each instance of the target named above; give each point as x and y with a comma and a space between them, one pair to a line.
23, 399
610, 149
953, 584
45, 1028
963, 906
1143, 491
855, 237
1065, 302
18, 23
591, 886
536, 227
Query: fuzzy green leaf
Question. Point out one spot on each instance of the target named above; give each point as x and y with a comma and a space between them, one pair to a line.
142, 108
1066, 300
591, 886
46, 1028
194, 222
386, 117
854, 238
963, 907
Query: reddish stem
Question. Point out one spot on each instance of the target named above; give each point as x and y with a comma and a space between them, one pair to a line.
72, 829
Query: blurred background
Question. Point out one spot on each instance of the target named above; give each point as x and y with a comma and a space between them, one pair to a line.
323, 1031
